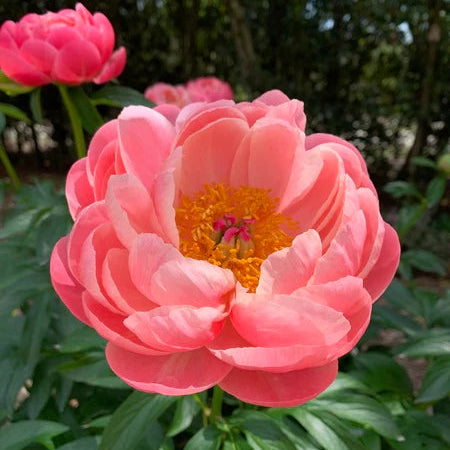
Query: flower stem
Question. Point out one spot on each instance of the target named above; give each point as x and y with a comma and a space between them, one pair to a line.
9, 168
216, 404
75, 121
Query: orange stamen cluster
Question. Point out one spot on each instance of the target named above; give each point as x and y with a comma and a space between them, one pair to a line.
260, 229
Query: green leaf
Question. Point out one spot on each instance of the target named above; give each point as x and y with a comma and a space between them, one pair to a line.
344, 381
399, 189
90, 117
382, 373
261, 430
433, 342
2, 127
424, 261
36, 106
14, 112
18, 435
186, 410
86, 443
435, 190
11, 88
360, 409
297, 434
82, 339
92, 372
423, 162
119, 96
392, 319
436, 382
208, 438
130, 421
318, 429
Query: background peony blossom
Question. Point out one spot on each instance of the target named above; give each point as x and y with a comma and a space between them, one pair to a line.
69, 47
208, 89
227, 248
203, 89
161, 93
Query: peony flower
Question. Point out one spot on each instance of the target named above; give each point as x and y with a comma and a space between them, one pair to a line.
228, 248
204, 89
161, 93
208, 89
69, 47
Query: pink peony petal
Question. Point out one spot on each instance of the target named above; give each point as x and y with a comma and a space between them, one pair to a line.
273, 98
106, 31
79, 192
177, 374
106, 135
118, 285
290, 268
170, 112
113, 67
40, 54
145, 139
282, 320
208, 154
292, 111
343, 257
260, 161
381, 274
186, 281
176, 328
78, 61
92, 256
68, 289
194, 117
130, 208
279, 389
89, 218
147, 253
104, 168
318, 198
110, 326
21, 71
165, 197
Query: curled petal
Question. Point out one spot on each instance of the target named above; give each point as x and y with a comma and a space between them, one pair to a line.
279, 389
65, 285
79, 193
145, 141
290, 268
175, 328
208, 154
381, 274
283, 320
176, 374
113, 67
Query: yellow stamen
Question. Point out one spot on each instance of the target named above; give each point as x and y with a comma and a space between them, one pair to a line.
270, 231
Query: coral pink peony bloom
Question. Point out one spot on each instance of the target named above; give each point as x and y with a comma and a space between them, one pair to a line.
208, 89
204, 89
69, 47
225, 249
161, 93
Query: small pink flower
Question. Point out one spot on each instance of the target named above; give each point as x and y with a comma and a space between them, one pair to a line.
227, 248
208, 89
69, 47
161, 93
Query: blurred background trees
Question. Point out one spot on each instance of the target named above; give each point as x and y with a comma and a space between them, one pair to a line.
372, 72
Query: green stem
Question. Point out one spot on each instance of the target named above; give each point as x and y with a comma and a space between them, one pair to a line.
9, 168
216, 404
75, 121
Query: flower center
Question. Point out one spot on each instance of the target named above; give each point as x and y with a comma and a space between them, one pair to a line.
234, 228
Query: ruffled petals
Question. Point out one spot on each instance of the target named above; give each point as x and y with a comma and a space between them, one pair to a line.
279, 389
176, 374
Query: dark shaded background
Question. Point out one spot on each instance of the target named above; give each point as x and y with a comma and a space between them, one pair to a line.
374, 72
